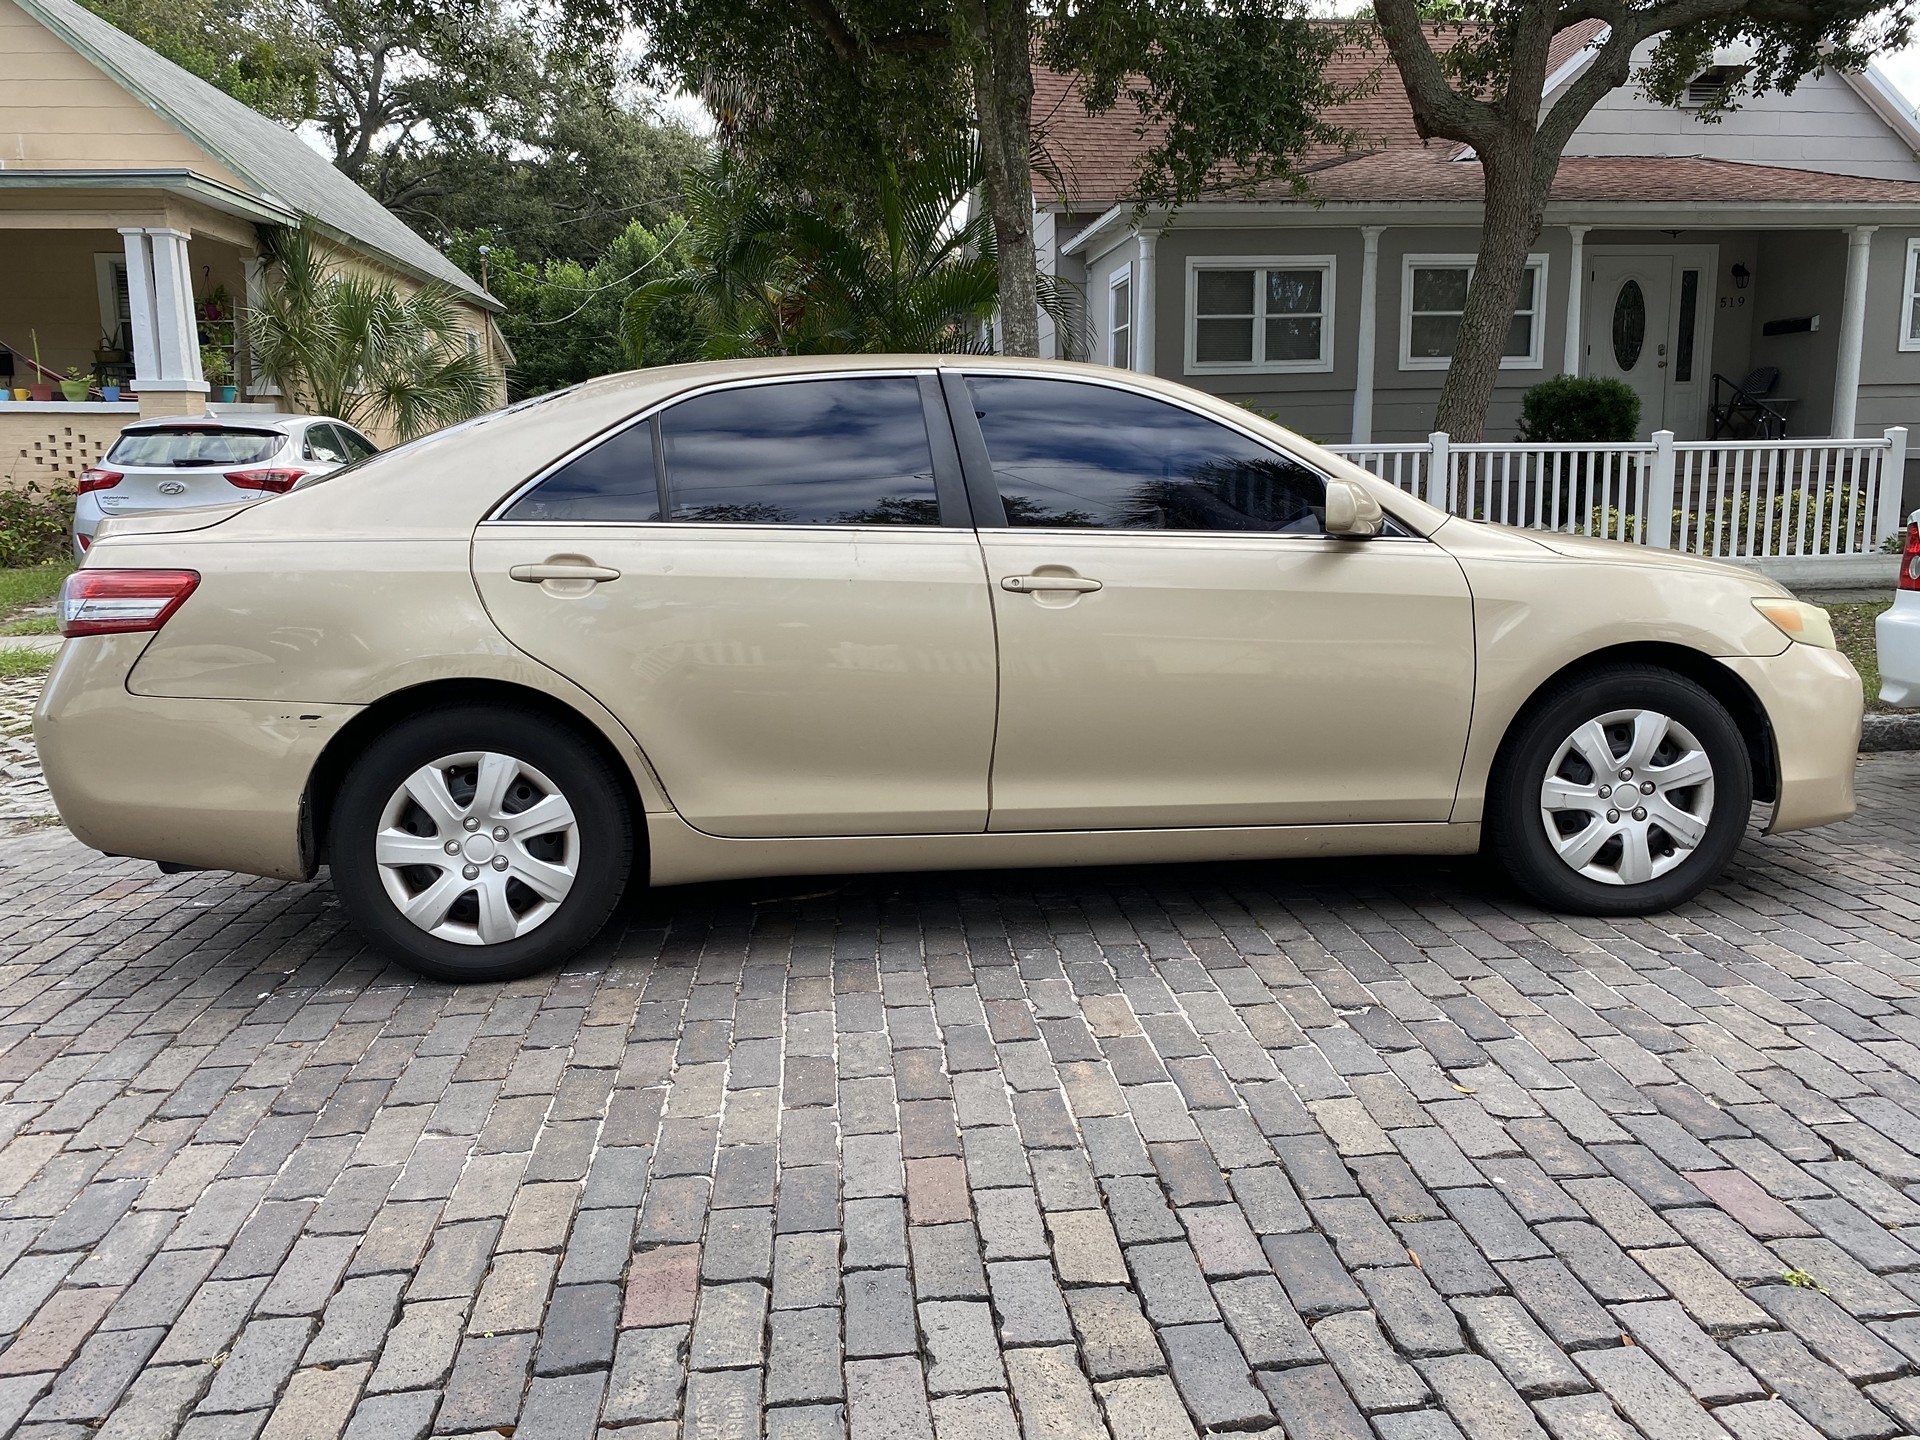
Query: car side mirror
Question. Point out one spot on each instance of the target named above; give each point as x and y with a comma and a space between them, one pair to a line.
1352, 514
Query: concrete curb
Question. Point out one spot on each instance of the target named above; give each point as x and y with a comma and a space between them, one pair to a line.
1889, 732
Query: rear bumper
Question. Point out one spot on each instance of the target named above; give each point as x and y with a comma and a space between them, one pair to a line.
215, 784
1896, 638
1812, 698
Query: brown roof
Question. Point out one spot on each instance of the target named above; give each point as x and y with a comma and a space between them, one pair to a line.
1097, 157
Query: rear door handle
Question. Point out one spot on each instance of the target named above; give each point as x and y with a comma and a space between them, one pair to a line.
536, 574
1026, 584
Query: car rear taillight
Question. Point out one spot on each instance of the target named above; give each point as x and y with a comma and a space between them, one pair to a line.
274, 480
98, 479
117, 602
86, 541
1910, 560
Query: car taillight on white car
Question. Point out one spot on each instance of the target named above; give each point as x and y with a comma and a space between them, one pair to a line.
1910, 560
274, 480
98, 479
120, 602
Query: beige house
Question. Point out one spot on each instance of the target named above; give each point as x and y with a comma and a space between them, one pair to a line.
133, 200
1679, 256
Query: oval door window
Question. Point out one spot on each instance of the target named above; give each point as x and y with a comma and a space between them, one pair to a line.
1629, 325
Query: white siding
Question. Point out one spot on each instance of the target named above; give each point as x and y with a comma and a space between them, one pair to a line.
1823, 125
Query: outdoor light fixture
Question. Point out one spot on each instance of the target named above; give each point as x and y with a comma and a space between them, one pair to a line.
1741, 275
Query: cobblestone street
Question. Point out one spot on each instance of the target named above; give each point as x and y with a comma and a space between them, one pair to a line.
1354, 1149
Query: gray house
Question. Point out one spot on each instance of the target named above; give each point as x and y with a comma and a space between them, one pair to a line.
1677, 255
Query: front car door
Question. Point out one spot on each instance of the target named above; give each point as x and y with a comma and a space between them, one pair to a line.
1180, 644
776, 587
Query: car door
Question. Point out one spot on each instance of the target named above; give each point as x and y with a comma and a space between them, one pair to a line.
777, 588
1180, 643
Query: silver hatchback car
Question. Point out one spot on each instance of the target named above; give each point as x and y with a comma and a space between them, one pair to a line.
209, 460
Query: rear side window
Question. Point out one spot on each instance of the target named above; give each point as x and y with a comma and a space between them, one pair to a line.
806, 452
810, 452
1069, 455
188, 447
323, 444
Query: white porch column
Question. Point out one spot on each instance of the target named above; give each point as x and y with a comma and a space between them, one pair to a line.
1143, 296
1853, 332
140, 304
1576, 295
1363, 342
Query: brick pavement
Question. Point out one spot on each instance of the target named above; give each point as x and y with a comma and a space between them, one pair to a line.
1359, 1149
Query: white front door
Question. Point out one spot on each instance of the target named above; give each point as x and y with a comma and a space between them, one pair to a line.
1627, 328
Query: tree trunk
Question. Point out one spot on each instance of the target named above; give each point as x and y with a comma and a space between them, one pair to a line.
1001, 55
1512, 220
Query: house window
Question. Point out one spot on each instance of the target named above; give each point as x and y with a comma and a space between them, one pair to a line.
1260, 315
1433, 297
1120, 321
1910, 312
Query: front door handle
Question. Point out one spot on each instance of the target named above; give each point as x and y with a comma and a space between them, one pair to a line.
1028, 584
563, 570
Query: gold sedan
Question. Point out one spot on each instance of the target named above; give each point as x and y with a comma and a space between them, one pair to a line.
804, 616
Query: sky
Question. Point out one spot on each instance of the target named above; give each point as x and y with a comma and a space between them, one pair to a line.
1903, 68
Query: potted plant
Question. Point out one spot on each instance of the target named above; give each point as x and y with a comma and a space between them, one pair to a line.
38, 391
217, 366
109, 353
75, 386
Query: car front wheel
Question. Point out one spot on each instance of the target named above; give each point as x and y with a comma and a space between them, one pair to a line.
480, 844
1622, 792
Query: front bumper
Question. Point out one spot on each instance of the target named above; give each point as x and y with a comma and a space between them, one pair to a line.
1813, 700
213, 784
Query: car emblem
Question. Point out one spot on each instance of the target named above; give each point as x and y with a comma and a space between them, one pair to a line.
172, 487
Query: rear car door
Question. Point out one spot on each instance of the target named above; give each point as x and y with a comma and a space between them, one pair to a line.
776, 586
1180, 643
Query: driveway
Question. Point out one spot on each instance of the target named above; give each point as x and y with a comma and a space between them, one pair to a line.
1354, 1149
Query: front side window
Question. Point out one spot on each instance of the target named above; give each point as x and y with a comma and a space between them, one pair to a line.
1068, 455
1271, 316
1434, 297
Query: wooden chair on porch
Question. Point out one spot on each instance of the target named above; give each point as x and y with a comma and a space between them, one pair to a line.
1749, 410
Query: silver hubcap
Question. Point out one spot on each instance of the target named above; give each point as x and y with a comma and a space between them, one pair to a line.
1627, 797
477, 848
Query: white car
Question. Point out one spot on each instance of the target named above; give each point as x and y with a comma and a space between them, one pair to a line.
1896, 634
209, 460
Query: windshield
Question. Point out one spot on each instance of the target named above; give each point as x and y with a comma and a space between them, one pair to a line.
195, 447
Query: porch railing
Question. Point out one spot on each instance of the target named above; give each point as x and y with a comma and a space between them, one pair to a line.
1734, 499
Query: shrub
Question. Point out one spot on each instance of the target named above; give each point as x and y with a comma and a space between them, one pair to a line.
1572, 407
34, 524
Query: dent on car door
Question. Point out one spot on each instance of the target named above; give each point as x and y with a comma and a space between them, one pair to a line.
1181, 644
775, 587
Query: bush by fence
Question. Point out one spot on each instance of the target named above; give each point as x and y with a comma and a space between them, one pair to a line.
34, 524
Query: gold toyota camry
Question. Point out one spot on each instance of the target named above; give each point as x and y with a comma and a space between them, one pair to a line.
806, 616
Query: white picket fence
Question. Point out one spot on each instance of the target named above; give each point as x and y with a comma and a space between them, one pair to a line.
1732, 499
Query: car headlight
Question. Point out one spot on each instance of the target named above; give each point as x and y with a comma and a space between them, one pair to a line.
1797, 620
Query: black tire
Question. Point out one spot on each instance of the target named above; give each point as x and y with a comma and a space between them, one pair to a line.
588, 784
1517, 829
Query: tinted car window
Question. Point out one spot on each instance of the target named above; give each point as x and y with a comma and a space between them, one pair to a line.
612, 481
809, 452
358, 446
201, 445
1068, 455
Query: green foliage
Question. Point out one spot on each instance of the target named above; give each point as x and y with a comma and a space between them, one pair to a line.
564, 320
348, 345
261, 54
34, 525
766, 278
1802, 1280
17, 664
1580, 408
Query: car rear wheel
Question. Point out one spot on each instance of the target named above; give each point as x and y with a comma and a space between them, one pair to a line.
1621, 792
480, 844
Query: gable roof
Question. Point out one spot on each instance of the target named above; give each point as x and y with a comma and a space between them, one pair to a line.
1097, 157
278, 165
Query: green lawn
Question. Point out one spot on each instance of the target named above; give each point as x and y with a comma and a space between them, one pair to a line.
16, 664
1853, 628
22, 589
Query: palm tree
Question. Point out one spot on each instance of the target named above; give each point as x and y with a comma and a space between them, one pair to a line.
768, 279
346, 344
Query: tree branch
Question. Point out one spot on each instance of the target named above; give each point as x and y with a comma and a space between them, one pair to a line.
1438, 109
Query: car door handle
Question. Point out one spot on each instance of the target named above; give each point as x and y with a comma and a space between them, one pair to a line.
1026, 584
536, 574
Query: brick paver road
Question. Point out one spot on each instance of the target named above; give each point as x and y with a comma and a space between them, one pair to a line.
1352, 1149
